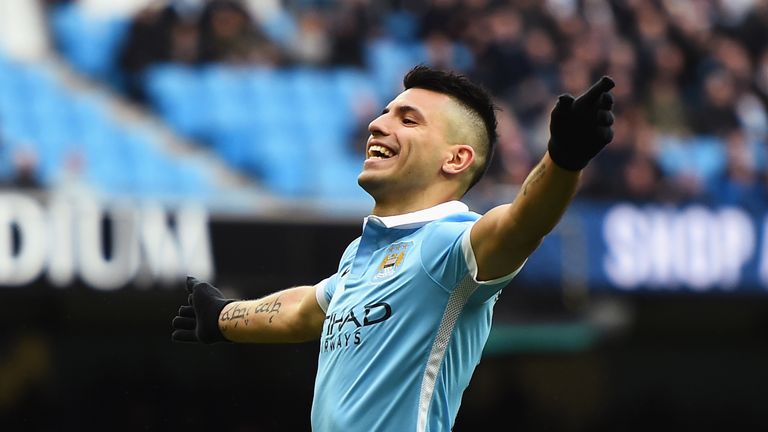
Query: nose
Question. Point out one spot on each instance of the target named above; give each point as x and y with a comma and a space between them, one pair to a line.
378, 126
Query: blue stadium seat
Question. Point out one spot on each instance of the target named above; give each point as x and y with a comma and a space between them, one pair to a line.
176, 93
402, 25
148, 171
109, 173
273, 98
28, 96
337, 179
53, 148
233, 147
39, 114
227, 99
285, 165
156, 174
388, 61
319, 118
318, 105
89, 43
85, 112
701, 156
310, 84
352, 84
192, 181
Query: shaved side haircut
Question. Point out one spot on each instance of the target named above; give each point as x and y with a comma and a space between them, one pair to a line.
473, 98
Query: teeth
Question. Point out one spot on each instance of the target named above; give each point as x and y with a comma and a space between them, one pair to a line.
380, 149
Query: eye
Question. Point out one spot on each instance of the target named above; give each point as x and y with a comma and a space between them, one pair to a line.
409, 121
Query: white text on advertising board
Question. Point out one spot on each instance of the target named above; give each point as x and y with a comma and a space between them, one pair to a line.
65, 240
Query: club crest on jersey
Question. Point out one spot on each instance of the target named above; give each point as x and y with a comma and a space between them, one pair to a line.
393, 259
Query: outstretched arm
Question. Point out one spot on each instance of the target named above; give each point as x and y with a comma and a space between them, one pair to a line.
291, 315
505, 236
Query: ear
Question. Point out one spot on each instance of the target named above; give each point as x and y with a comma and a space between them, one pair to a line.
459, 159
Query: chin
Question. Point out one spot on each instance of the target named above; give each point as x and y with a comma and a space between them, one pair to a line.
365, 181
371, 183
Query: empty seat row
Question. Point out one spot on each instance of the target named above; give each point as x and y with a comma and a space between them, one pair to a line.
73, 132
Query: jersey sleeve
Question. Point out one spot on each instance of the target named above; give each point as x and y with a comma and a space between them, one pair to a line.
324, 291
442, 255
448, 257
469, 257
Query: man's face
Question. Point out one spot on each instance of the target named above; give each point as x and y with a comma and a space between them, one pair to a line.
407, 146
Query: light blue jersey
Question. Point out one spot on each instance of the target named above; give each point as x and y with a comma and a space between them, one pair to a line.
406, 323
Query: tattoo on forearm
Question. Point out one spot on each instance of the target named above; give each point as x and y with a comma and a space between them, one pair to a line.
271, 308
237, 314
537, 174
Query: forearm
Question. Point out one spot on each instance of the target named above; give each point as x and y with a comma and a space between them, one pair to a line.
285, 316
543, 198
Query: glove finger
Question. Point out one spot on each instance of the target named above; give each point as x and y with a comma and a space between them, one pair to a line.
184, 336
189, 299
187, 311
564, 100
592, 95
205, 293
606, 135
184, 323
563, 105
191, 282
606, 101
604, 118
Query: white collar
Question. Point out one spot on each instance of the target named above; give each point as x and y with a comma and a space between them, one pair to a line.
420, 217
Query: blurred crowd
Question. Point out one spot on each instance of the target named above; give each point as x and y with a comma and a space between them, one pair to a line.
692, 75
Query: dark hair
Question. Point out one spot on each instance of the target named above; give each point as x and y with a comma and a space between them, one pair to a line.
472, 96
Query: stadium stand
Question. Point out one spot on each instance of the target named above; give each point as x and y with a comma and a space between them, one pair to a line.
300, 83
70, 131
260, 105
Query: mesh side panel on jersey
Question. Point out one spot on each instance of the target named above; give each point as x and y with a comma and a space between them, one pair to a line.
453, 309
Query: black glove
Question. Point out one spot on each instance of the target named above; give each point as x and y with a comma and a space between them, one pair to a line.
580, 128
199, 320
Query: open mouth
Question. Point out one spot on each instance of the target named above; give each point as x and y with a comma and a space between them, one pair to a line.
379, 152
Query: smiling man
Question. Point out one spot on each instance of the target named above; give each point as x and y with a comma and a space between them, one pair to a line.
403, 322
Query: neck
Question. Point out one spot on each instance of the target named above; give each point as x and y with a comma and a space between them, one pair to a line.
397, 205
